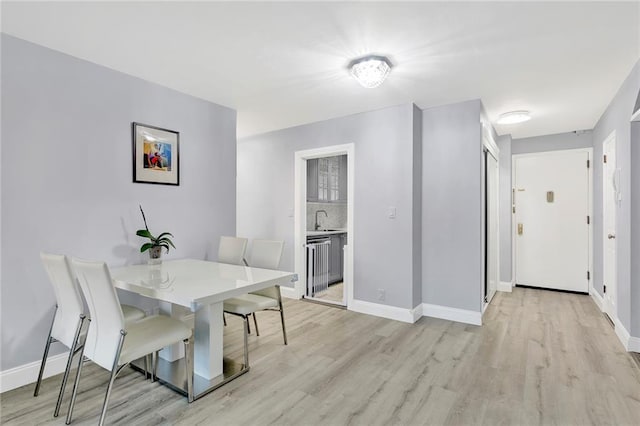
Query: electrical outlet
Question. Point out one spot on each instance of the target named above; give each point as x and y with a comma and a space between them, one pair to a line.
381, 294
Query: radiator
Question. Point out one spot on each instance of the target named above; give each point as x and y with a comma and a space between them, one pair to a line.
317, 266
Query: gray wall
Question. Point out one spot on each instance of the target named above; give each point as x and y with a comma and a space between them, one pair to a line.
504, 144
452, 264
384, 146
616, 117
556, 142
417, 206
635, 229
67, 179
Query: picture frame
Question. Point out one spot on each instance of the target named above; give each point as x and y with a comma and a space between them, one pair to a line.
156, 155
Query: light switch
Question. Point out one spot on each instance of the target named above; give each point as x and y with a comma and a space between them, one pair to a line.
391, 213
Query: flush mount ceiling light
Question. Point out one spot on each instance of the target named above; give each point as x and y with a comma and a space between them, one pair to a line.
370, 71
514, 117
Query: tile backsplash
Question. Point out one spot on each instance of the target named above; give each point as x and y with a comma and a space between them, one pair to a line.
336, 215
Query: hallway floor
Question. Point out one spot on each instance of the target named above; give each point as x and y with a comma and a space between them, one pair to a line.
542, 357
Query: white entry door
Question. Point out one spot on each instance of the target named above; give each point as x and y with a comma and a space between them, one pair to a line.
610, 194
551, 191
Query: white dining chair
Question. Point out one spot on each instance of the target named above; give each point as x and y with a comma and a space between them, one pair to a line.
69, 316
231, 250
264, 254
113, 344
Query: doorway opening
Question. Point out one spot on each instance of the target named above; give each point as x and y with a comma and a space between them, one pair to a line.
324, 224
490, 214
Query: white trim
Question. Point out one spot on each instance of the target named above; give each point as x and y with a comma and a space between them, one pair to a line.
300, 213
452, 314
606, 306
622, 333
514, 225
289, 292
384, 311
505, 286
28, 373
597, 299
630, 343
417, 312
636, 116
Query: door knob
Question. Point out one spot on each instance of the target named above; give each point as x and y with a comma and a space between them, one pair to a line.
611, 236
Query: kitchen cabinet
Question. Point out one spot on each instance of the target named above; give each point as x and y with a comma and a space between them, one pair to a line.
312, 180
327, 179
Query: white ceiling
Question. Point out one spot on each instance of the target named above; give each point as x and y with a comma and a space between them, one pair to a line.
284, 64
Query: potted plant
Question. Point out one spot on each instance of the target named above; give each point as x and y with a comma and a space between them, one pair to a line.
156, 244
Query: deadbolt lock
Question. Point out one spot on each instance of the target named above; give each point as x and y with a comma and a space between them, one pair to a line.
520, 229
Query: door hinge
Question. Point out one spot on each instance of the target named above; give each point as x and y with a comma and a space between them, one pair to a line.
588, 163
588, 275
605, 158
588, 220
605, 288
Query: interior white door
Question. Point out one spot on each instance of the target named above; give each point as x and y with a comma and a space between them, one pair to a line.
492, 236
551, 192
610, 194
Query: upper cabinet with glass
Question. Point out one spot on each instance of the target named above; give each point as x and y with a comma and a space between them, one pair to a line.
327, 179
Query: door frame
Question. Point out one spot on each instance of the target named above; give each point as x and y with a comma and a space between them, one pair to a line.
606, 306
489, 145
300, 215
514, 225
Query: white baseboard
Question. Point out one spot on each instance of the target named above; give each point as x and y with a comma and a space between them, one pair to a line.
384, 311
28, 373
417, 312
622, 333
597, 299
630, 343
452, 314
289, 292
505, 286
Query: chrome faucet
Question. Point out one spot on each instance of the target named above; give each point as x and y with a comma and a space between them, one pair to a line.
317, 225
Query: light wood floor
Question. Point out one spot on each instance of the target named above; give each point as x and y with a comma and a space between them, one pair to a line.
334, 293
541, 358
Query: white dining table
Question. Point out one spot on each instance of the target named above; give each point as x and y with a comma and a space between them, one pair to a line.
201, 286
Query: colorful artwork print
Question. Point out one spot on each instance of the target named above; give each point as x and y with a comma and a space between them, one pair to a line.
157, 156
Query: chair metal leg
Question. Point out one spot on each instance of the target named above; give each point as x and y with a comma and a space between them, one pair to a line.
246, 341
67, 370
188, 357
284, 330
248, 325
255, 321
74, 394
224, 319
114, 372
45, 355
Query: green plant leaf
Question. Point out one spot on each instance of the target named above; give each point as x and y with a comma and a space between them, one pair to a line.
163, 234
144, 233
145, 247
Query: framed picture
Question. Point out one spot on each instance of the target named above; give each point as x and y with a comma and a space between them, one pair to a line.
156, 154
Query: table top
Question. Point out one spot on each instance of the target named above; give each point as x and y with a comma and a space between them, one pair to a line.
190, 282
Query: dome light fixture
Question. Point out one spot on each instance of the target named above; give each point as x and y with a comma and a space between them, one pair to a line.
370, 71
514, 117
